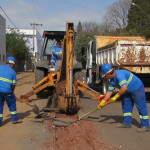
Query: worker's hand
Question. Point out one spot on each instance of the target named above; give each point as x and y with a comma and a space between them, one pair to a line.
101, 104
113, 99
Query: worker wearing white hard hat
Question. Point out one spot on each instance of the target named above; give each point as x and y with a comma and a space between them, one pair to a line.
7, 87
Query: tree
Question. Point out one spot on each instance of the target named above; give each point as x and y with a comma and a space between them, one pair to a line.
116, 17
139, 18
79, 29
91, 28
81, 46
85, 33
16, 45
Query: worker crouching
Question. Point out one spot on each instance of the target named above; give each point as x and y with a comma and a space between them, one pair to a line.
132, 90
7, 87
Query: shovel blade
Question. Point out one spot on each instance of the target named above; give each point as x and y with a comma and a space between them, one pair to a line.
36, 109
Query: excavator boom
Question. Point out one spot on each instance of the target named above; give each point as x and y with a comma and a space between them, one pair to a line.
65, 86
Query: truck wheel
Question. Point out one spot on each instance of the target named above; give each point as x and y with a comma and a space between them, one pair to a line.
39, 75
105, 85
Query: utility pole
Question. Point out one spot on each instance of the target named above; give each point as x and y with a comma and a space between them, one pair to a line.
33, 58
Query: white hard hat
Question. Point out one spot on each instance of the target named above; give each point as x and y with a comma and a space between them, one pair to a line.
11, 62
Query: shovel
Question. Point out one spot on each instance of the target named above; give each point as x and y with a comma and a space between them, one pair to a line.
88, 113
35, 108
100, 98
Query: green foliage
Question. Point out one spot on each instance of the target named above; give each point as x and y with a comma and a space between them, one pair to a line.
79, 29
81, 46
85, 34
16, 45
139, 18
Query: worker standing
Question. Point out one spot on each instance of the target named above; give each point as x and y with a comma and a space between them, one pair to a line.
56, 53
132, 89
7, 87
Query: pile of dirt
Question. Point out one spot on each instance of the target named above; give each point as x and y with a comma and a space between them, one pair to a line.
80, 135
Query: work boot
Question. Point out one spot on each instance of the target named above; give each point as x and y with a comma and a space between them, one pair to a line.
18, 121
143, 129
123, 126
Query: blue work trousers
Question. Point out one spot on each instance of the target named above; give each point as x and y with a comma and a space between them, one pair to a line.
11, 102
139, 98
53, 60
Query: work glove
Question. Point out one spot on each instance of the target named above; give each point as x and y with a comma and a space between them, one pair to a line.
101, 104
113, 99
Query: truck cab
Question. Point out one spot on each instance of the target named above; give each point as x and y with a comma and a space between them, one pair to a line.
91, 62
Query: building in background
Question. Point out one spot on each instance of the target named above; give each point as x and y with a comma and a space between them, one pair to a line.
36, 49
2, 40
34, 42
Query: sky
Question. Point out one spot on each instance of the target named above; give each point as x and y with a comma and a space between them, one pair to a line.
52, 14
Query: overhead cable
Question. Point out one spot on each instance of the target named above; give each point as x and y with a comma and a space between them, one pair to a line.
8, 17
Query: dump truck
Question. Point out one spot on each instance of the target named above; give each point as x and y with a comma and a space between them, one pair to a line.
61, 81
122, 52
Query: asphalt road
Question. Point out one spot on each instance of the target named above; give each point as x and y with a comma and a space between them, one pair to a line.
107, 120
32, 133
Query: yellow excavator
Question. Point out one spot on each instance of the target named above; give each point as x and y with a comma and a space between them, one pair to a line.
62, 85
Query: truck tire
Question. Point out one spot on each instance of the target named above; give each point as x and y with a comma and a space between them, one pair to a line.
39, 75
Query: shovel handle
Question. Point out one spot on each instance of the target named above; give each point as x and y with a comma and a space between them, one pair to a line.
24, 102
88, 113
93, 110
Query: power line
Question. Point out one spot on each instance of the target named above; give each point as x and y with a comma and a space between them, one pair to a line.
22, 11
34, 24
8, 17
77, 5
36, 13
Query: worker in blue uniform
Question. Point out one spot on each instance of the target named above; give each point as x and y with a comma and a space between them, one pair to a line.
7, 87
56, 53
132, 89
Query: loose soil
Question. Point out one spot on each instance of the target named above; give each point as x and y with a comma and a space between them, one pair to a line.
80, 135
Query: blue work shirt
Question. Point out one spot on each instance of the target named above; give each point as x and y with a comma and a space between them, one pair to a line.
57, 53
7, 78
124, 77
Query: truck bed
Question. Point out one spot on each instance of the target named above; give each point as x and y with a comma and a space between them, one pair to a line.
131, 55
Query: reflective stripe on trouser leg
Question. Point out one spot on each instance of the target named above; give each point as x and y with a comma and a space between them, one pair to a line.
53, 60
127, 106
11, 102
1, 118
140, 101
1, 107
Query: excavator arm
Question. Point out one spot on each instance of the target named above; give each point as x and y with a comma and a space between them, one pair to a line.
65, 97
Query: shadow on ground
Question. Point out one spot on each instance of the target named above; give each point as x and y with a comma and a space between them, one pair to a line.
20, 116
117, 119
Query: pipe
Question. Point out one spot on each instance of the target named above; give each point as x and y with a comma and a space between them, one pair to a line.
70, 81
